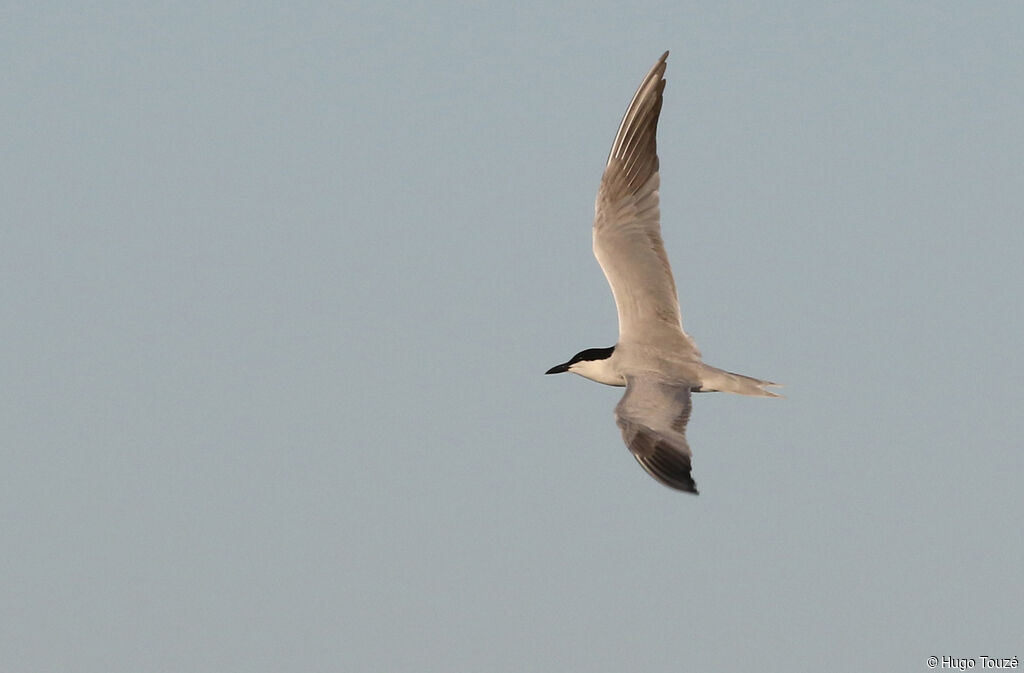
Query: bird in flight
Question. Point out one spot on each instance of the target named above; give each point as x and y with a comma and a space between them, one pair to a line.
655, 359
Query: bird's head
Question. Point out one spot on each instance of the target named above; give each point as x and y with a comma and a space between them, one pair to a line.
592, 364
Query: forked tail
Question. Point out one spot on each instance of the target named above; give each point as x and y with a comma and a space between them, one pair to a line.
713, 379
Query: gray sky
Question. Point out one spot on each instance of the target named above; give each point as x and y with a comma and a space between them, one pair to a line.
280, 281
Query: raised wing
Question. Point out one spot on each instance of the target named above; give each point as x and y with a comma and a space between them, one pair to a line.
627, 232
652, 416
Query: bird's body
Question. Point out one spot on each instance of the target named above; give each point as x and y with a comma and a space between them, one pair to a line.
654, 358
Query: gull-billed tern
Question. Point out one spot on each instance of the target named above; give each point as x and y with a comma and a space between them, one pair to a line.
655, 359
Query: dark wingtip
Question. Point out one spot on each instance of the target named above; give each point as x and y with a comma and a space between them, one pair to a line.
670, 468
690, 487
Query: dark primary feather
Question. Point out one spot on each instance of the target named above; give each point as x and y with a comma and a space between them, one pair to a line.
633, 158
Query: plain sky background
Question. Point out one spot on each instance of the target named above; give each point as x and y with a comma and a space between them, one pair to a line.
280, 280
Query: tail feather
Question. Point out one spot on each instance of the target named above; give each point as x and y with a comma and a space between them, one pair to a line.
713, 379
